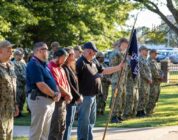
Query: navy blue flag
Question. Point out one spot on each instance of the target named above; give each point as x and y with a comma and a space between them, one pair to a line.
133, 52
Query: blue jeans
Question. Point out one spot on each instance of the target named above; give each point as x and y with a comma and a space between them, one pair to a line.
87, 118
71, 109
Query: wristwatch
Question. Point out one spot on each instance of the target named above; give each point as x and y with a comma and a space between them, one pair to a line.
55, 94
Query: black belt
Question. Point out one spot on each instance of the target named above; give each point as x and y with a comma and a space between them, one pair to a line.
36, 93
44, 95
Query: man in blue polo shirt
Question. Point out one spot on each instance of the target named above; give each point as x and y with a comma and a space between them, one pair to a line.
42, 92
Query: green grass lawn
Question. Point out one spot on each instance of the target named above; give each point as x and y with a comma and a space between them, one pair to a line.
166, 113
173, 77
20, 138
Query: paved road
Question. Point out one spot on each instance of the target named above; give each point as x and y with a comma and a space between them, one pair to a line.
162, 133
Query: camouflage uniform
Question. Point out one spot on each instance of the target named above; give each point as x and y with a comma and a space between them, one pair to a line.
50, 56
116, 58
20, 69
101, 99
144, 86
54, 47
132, 95
7, 100
155, 86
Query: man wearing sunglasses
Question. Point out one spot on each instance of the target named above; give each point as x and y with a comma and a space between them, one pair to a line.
42, 92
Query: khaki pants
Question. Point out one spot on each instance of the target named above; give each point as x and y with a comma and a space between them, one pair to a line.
6, 127
58, 122
41, 113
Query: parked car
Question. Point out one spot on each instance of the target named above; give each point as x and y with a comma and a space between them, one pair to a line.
163, 54
160, 57
174, 58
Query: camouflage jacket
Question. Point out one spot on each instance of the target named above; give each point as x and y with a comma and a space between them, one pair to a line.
155, 71
130, 79
145, 71
7, 90
50, 56
20, 69
106, 79
116, 58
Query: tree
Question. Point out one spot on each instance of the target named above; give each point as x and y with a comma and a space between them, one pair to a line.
151, 36
172, 5
14, 19
70, 22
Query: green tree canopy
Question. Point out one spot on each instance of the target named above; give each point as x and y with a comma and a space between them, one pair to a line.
172, 6
70, 22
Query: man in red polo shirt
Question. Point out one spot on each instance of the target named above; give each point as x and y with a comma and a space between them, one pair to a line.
57, 128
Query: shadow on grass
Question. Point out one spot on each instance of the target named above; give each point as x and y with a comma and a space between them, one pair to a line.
166, 113
20, 138
23, 121
162, 121
169, 96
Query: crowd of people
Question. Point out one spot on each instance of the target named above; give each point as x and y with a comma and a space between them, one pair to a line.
70, 81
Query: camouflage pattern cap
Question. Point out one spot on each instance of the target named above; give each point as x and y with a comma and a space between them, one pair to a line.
143, 48
99, 55
5, 43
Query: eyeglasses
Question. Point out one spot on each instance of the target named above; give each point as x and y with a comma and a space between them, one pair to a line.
44, 49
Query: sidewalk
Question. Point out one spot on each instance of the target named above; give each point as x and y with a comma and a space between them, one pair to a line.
161, 133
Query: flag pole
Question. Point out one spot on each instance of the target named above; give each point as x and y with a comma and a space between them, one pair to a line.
116, 89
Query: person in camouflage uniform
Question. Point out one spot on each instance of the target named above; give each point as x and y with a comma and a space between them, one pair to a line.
145, 81
117, 57
78, 52
157, 76
20, 69
54, 47
132, 95
8, 106
105, 81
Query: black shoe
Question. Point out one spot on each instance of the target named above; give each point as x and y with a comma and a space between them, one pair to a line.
115, 120
143, 113
102, 113
120, 118
138, 114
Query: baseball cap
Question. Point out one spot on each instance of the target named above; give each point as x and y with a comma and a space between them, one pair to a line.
78, 48
60, 52
99, 54
153, 51
143, 48
18, 52
6, 43
90, 45
55, 44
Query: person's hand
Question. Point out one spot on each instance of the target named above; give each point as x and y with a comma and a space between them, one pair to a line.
68, 98
16, 111
57, 97
121, 65
80, 100
150, 81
